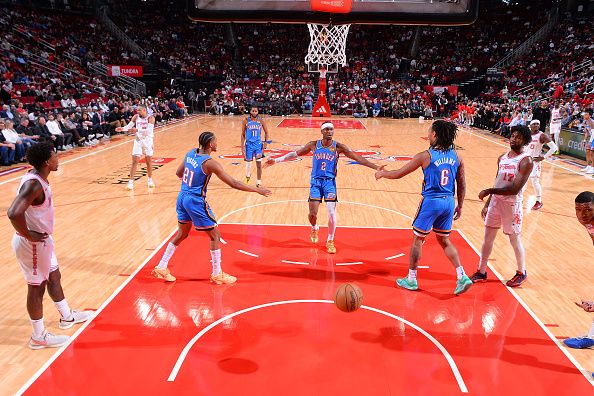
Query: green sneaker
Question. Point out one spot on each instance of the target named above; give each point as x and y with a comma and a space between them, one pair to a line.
405, 283
462, 285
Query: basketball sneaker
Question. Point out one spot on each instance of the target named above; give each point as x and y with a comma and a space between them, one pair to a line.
579, 342
462, 285
407, 284
247, 180
314, 236
517, 280
331, 248
163, 273
590, 171
130, 185
478, 277
223, 279
48, 340
151, 183
75, 318
537, 205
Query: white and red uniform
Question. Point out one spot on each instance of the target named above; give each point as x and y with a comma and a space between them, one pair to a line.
143, 143
505, 211
556, 123
37, 259
534, 150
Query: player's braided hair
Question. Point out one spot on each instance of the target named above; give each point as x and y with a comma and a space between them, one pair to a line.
446, 134
205, 138
39, 153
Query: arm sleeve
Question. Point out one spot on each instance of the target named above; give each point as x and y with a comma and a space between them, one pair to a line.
553, 148
286, 157
127, 127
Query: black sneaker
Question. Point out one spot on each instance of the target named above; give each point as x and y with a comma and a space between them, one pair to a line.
478, 277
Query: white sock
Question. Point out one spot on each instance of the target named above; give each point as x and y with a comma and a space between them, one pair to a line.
316, 227
248, 169
63, 308
590, 333
460, 272
215, 256
38, 327
412, 275
259, 182
166, 256
537, 188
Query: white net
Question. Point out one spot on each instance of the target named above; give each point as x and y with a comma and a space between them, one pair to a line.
326, 46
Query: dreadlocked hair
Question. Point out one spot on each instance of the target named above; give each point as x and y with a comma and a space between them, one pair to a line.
205, 138
445, 133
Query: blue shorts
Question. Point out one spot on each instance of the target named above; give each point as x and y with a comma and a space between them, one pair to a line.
323, 188
253, 150
190, 207
434, 213
591, 145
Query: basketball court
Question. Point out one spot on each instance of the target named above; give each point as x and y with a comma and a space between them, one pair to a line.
277, 330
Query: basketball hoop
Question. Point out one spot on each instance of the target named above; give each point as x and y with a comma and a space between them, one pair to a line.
327, 47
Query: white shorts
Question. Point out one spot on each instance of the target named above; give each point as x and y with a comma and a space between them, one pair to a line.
555, 129
506, 215
143, 146
536, 170
37, 259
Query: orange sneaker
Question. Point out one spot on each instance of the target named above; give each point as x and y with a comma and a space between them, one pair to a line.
314, 236
223, 279
163, 274
331, 248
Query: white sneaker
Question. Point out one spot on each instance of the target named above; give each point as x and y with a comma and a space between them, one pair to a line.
151, 183
75, 318
91, 136
586, 168
590, 171
48, 340
99, 135
130, 185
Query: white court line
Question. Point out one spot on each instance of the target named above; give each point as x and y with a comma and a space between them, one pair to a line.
422, 266
88, 322
110, 147
533, 315
354, 263
393, 257
223, 241
190, 344
507, 146
294, 262
248, 253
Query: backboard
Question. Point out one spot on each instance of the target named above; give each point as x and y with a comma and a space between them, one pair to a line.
406, 12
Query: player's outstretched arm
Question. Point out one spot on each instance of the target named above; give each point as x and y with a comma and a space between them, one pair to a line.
343, 149
28, 193
293, 154
460, 188
212, 166
553, 148
179, 172
518, 183
410, 167
130, 126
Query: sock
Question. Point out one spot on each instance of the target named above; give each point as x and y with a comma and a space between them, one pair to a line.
259, 182
537, 189
215, 256
63, 308
590, 333
38, 327
316, 227
460, 272
248, 169
412, 275
166, 256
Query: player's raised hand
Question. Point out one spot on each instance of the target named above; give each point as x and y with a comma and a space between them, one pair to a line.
263, 191
381, 172
269, 162
457, 212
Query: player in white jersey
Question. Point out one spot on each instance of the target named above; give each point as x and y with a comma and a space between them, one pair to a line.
588, 128
555, 126
534, 149
503, 209
143, 125
32, 216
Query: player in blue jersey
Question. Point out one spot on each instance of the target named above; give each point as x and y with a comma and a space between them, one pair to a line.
323, 178
192, 208
443, 171
252, 145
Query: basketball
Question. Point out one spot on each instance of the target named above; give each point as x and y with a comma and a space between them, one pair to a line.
348, 297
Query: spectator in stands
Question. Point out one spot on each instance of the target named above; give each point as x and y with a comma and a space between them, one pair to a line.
7, 152
61, 139
23, 132
12, 137
116, 119
100, 126
543, 114
68, 126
